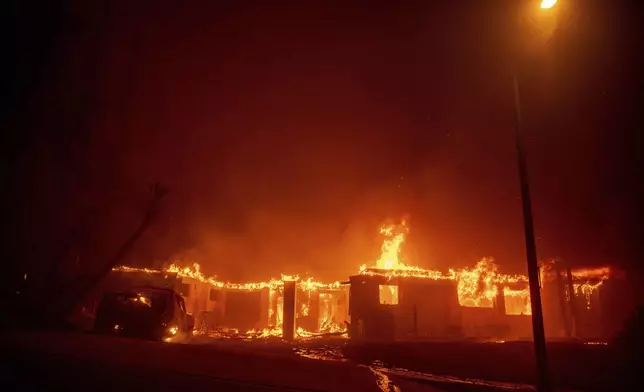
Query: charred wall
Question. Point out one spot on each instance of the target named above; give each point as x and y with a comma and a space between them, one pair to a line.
423, 308
243, 309
434, 306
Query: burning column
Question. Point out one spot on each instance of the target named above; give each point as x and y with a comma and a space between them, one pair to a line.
288, 329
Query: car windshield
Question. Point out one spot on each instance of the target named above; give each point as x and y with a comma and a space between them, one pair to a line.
140, 301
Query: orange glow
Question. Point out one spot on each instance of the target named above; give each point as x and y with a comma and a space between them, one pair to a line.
477, 287
517, 302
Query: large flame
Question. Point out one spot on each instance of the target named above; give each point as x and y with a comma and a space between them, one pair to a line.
390, 250
390, 258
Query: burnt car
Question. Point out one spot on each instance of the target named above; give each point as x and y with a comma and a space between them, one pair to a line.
144, 313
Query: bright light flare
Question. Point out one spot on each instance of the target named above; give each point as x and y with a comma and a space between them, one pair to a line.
545, 4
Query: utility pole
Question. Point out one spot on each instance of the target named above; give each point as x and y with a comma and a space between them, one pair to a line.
538, 330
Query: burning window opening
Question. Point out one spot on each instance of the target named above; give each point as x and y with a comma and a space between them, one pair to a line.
388, 294
517, 302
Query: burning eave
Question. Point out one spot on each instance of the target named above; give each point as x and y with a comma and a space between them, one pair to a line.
125, 268
405, 273
594, 273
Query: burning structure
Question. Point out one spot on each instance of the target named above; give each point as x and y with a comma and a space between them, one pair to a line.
394, 305
396, 301
247, 309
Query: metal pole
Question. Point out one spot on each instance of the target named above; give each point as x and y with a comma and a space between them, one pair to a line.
538, 332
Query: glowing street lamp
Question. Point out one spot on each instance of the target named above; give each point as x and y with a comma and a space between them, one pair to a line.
538, 330
548, 3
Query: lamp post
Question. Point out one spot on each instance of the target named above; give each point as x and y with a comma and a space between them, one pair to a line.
538, 331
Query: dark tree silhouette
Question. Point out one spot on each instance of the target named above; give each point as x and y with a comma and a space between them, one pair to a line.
72, 294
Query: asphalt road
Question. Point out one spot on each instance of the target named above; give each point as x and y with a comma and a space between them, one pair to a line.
572, 365
34, 371
69, 361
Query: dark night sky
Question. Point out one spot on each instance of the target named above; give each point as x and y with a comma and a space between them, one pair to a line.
287, 134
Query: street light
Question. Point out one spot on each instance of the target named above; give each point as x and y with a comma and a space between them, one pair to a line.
548, 3
538, 331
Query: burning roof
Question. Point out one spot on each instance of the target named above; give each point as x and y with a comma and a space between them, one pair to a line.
477, 286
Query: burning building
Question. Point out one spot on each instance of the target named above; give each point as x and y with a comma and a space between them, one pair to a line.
402, 305
384, 308
396, 301
246, 309
589, 303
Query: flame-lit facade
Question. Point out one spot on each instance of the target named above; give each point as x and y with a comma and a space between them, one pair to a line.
378, 304
432, 308
244, 310
396, 301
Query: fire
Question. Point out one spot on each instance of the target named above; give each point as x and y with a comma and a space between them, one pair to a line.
391, 247
599, 273
394, 237
125, 268
327, 325
478, 286
517, 302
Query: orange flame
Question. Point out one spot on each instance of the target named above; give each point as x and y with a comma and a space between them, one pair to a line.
477, 286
